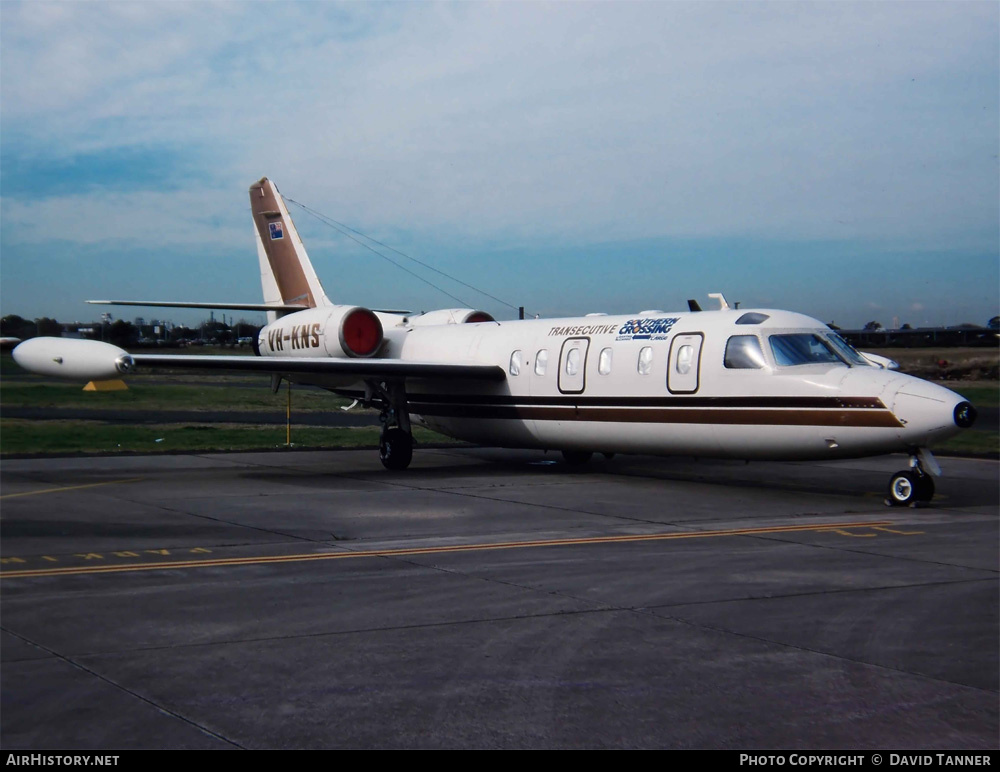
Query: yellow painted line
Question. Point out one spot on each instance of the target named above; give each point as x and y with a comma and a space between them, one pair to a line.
70, 488
260, 560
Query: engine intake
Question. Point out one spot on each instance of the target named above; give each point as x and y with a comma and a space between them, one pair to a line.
332, 331
360, 333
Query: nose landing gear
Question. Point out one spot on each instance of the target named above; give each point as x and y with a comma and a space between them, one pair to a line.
913, 486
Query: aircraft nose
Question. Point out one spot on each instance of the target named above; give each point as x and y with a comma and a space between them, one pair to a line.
930, 412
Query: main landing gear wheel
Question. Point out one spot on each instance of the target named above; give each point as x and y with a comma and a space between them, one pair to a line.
910, 487
395, 448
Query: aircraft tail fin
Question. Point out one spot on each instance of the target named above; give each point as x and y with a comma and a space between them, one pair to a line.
286, 274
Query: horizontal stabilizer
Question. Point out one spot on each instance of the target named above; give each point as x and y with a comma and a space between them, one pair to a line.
220, 306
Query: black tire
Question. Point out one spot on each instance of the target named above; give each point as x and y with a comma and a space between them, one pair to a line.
925, 488
904, 488
395, 449
577, 457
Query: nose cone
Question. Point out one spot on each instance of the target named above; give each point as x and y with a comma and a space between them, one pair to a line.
965, 415
930, 413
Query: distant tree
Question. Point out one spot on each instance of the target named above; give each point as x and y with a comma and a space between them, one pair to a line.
180, 332
245, 329
906, 327
873, 326
49, 327
14, 326
122, 333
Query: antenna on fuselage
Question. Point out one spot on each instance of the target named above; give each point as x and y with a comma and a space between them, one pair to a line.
693, 305
723, 305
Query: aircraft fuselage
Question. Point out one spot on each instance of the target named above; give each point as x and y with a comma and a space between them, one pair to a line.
669, 383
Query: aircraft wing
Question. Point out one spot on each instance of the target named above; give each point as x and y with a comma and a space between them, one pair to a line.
94, 360
359, 368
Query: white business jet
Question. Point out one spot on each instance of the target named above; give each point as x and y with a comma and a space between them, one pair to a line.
747, 384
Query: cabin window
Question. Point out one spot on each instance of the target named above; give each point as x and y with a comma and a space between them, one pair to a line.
515, 363
604, 361
802, 349
645, 366
743, 352
541, 361
573, 361
685, 354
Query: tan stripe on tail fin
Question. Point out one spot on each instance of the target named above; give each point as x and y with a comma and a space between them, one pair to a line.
286, 274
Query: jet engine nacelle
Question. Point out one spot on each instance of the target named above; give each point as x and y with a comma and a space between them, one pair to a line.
331, 331
78, 359
451, 316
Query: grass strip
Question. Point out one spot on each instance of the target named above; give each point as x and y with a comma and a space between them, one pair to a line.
44, 437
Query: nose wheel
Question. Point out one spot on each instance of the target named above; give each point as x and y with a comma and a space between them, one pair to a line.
908, 488
912, 486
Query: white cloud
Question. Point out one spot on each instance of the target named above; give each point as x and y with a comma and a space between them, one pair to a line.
155, 219
548, 123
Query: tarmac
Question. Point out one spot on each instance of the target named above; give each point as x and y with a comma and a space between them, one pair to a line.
494, 599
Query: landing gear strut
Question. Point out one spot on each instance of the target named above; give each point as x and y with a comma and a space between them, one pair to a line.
395, 445
913, 486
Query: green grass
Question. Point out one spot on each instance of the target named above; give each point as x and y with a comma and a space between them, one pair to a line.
980, 396
43, 437
971, 443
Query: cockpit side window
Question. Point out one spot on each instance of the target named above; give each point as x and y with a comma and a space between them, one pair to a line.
803, 349
743, 352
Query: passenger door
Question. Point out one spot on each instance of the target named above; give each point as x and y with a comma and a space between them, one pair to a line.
685, 363
573, 365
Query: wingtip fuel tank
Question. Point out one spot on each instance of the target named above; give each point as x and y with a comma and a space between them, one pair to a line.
74, 359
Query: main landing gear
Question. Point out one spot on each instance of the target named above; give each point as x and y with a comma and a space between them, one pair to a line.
913, 486
395, 448
395, 445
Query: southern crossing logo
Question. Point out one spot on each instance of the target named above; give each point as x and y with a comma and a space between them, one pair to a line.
646, 329
276, 230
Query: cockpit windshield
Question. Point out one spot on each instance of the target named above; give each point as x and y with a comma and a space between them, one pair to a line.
847, 352
804, 349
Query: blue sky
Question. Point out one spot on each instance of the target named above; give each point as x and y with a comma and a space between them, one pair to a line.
836, 159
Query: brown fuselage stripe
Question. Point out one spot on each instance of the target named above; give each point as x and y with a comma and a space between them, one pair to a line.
847, 403
246, 561
855, 403
745, 417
